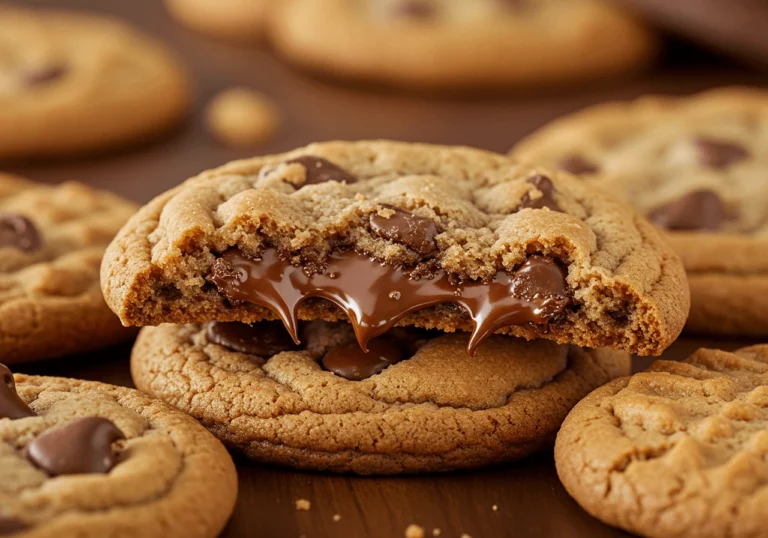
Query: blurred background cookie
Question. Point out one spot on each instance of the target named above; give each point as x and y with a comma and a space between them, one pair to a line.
72, 83
460, 44
230, 19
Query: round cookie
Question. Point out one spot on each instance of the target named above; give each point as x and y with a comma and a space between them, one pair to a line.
460, 44
470, 241
230, 19
52, 239
677, 451
86, 459
695, 166
73, 83
415, 403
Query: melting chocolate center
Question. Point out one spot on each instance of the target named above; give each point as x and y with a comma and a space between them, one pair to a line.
265, 339
351, 362
375, 296
81, 446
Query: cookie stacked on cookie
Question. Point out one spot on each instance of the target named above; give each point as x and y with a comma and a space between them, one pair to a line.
695, 166
282, 271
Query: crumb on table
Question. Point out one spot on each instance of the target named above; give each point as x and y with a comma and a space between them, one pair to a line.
303, 504
414, 531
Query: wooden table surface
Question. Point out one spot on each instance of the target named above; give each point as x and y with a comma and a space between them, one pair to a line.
530, 500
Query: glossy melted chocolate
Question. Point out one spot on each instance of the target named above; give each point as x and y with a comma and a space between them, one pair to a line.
375, 296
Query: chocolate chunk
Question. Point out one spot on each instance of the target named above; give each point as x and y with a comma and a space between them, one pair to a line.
541, 278
319, 170
9, 526
578, 165
547, 199
11, 406
18, 231
697, 210
351, 362
78, 447
413, 9
403, 227
719, 154
40, 76
265, 339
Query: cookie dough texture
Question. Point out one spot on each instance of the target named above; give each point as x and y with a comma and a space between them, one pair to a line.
679, 450
72, 83
458, 45
436, 411
230, 19
629, 287
241, 117
645, 152
173, 478
50, 299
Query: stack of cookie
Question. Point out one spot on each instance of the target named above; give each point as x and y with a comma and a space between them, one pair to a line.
382, 307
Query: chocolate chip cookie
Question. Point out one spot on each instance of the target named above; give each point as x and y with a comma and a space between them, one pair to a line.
76, 83
677, 451
80, 458
414, 402
232, 19
388, 233
455, 44
695, 167
52, 239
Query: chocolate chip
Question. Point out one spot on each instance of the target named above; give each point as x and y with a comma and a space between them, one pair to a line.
578, 165
413, 9
351, 362
11, 406
265, 339
697, 210
18, 231
719, 154
78, 447
319, 170
542, 278
40, 76
544, 185
403, 227
9, 526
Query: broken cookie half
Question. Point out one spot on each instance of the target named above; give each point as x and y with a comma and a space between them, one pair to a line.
388, 234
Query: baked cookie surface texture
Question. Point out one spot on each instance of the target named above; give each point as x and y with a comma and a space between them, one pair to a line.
679, 450
696, 167
86, 459
52, 239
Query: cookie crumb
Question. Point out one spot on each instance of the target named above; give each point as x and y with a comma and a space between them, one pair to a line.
241, 117
303, 504
414, 531
435, 532
336, 517
465, 535
495, 508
